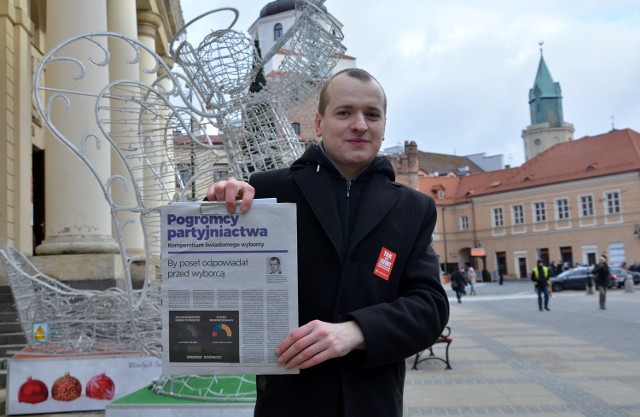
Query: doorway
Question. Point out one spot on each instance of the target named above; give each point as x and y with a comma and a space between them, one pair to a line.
566, 254
543, 253
501, 263
589, 254
522, 267
37, 196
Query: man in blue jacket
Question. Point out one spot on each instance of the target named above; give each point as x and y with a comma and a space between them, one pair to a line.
358, 322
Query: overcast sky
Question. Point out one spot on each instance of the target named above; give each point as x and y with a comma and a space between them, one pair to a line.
457, 73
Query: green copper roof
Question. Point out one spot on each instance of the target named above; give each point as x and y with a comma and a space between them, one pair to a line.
544, 86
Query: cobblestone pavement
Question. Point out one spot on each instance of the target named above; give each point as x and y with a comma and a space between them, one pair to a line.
509, 358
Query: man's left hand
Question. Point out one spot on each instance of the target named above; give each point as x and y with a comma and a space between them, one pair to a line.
318, 341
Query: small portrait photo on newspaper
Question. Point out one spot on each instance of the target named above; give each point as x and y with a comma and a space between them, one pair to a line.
274, 270
273, 265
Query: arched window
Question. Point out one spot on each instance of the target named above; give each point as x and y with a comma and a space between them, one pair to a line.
277, 31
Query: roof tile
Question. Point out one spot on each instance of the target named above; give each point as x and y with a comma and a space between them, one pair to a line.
614, 152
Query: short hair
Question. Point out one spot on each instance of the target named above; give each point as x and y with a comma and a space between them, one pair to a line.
275, 258
356, 73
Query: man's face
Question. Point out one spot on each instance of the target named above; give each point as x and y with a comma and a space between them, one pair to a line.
353, 124
274, 265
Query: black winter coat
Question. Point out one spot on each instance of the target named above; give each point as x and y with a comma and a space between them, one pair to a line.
460, 280
342, 228
601, 275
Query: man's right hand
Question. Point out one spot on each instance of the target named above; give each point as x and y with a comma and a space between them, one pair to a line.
231, 190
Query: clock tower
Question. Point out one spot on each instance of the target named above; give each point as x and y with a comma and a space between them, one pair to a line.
547, 121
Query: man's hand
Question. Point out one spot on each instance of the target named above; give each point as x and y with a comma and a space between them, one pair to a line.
231, 190
318, 341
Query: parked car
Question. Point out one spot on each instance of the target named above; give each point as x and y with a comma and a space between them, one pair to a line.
576, 279
621, 274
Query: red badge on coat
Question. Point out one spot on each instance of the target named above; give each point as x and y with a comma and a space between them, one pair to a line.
384, 265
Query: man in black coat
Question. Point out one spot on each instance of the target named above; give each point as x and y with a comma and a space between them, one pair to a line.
458, 282
602, 275
358, 322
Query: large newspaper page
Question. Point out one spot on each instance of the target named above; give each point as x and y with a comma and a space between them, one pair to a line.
229, 287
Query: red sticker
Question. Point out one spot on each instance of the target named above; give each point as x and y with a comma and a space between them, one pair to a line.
385, 263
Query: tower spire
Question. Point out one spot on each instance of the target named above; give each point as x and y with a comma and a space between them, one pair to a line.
547, 120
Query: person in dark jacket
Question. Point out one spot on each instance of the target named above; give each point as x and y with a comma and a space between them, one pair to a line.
357, 325
601, 276
458, 283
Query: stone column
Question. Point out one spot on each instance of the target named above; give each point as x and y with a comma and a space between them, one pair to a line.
148, 25
15, 113
154, 195
122, 19
77, 215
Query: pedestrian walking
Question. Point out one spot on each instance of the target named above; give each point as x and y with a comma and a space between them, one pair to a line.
471, 279
602, 275
540, 275
458, 283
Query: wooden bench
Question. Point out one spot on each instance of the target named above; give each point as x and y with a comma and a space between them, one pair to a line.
445, 337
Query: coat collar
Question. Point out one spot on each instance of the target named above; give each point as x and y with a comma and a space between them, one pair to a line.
316, 186
374, 206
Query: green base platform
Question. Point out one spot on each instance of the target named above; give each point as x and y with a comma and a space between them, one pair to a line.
146, 403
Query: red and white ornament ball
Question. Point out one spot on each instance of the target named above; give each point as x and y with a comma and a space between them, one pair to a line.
101, 387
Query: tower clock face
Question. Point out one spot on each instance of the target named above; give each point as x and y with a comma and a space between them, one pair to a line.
537, 142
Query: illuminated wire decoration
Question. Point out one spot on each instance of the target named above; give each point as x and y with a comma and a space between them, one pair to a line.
168, 139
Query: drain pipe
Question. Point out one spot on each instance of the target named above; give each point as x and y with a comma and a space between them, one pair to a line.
444, 237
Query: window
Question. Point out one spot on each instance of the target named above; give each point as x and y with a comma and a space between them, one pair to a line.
518, 214
540, 211
464, 223
613, 202
296, 127
183, 174
498, 217
562, 209
586, 206
441, 195
277, 31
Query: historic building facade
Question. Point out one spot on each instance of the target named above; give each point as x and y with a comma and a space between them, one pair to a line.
275, 18
48, 206
571, 201
43, 208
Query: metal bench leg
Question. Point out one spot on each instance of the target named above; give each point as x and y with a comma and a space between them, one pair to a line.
416, 360
447, 356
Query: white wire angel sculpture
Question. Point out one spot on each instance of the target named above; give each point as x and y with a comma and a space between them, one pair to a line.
162, 150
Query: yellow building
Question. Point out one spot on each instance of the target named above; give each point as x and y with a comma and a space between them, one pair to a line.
570, 203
